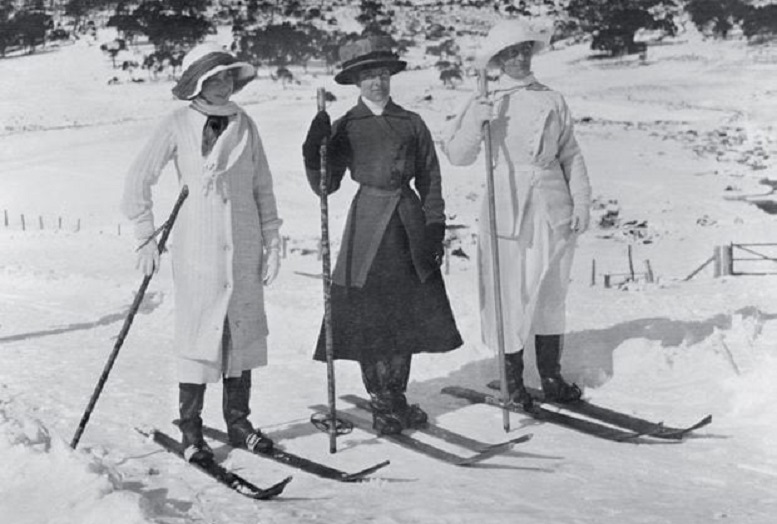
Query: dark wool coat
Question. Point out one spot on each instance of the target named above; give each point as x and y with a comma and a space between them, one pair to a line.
387, 294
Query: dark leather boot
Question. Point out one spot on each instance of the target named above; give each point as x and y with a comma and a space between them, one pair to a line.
411, 415
554, 386
190, 401
514, 369
375, 378
235, 404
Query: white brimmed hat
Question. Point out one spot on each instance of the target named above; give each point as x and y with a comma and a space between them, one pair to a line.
509, 33
206, 60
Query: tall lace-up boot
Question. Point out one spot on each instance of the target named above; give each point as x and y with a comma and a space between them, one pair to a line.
514, 369
375, 378
190, 401
235, 403
411, 415
554, 386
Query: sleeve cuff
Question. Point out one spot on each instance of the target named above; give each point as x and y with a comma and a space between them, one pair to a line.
144, 228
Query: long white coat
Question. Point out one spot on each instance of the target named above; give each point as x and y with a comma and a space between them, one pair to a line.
218, 239
539, 177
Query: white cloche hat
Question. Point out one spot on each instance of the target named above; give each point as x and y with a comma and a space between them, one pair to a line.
509, 33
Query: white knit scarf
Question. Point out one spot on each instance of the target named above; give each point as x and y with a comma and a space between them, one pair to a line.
227, 149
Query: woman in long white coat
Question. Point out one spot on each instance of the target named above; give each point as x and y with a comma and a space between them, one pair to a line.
226, 241
542, 203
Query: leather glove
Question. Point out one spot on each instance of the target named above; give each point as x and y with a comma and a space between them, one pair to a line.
148, 258
271, 261
581, 216
434, 237
320, 129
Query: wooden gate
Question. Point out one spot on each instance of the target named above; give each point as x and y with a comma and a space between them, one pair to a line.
749, 259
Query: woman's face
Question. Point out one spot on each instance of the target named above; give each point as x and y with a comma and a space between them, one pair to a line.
218, 88
375, 84
515, 61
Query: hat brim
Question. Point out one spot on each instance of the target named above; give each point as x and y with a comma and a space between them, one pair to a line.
487, 59
350, 74
190, 84
244, 74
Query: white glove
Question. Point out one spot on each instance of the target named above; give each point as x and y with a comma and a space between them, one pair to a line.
483, 109
271, 261
148, 258
581, 216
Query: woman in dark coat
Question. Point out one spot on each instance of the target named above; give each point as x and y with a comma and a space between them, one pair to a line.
388, 296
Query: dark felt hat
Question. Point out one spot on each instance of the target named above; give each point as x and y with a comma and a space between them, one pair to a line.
367, 53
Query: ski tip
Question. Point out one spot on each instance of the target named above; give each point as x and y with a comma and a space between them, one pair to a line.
680, 434
523, 438
631, 436
272, 491
363, 475
280, 486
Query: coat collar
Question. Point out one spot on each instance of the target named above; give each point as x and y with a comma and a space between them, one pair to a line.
360, 110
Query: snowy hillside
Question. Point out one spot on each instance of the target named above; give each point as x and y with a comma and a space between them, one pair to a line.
678, 150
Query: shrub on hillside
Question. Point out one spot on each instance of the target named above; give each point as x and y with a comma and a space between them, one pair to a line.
717, 17
374, 17
29, 28
170, 25
760, 23
287, 43
613, 23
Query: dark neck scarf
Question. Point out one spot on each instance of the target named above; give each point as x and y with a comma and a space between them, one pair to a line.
216, 123
214, 126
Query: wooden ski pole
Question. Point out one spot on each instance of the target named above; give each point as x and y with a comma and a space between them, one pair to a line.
500, 338
127, 322
327, 279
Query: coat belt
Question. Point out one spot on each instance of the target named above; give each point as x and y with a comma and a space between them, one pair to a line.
516, 203
383, 192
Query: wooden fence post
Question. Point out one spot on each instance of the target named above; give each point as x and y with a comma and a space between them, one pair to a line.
727, 259
40, 221
5, 213
723, 261
648, 272
631, 265
23, 224
593, 272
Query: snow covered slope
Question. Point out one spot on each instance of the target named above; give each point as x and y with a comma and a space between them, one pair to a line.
679, 144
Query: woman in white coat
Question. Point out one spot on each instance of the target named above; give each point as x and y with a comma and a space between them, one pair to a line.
542, 203
226, 241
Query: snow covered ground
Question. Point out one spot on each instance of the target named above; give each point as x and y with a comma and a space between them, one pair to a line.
678, 146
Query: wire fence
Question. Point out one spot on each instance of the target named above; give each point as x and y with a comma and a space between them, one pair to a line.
33, 222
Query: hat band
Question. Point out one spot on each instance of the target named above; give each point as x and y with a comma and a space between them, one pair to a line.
199, 67
370, 57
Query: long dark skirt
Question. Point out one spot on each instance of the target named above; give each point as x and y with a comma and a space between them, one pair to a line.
394, 312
